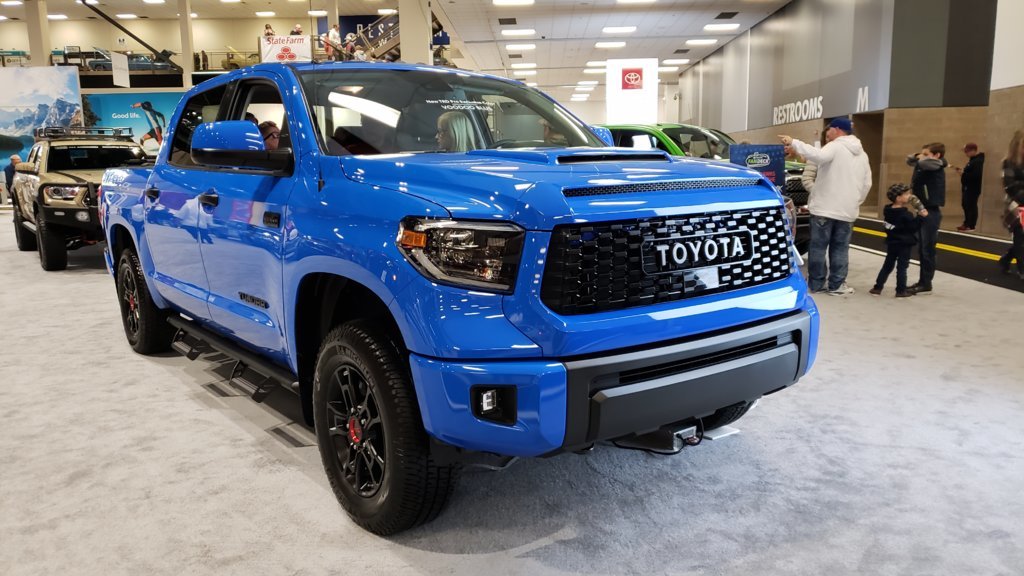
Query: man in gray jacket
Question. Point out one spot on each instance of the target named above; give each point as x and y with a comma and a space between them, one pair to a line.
841, 185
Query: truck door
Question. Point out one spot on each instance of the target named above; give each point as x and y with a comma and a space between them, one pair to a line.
172, 210
243, 230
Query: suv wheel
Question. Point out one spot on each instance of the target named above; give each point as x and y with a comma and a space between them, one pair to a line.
726, 416
53, 247
26, 239
370, 433
145, 325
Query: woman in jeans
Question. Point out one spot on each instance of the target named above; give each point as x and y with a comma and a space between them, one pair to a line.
1013, 183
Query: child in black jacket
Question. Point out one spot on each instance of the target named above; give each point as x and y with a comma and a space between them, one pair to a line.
901, 225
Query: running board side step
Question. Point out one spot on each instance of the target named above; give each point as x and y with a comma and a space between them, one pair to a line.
190, 337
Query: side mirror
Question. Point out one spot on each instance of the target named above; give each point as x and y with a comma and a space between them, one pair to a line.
25, 168
604, 134
237, 144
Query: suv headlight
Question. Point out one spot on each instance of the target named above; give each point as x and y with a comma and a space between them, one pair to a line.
462, 253
64, 192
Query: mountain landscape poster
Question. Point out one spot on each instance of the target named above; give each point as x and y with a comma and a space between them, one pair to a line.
34, 97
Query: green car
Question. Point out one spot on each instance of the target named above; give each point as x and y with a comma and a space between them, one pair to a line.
708, 143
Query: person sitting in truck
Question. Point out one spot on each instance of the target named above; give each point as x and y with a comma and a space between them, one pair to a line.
271, 134
455, 133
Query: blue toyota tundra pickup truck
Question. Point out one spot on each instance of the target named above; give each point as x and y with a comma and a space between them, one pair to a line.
446, 265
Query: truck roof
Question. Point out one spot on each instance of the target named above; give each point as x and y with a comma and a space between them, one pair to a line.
359, 65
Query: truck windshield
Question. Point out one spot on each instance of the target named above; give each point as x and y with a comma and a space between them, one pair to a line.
362, 111
90, 157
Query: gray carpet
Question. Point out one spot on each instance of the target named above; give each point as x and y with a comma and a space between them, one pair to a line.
900, 454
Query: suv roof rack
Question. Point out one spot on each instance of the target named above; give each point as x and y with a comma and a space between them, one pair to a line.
81, 132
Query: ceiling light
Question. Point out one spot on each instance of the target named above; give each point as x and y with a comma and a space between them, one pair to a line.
676, 61
386, 11
153, 1
2, 17
525, 73
126, 16
92, 2
668, 68
231, 1
575, 99
531, 84
721, 27
587, 82
618, 29
317, 12
585, 88
596, 64
512, 2
519, 32
10, 3
57, 16
637, 1
192, 14
524, 65
266, 14
594, 71
515, 47
609, 45
702, 42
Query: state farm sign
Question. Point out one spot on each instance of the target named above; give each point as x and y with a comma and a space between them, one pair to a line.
286, 48
632, 78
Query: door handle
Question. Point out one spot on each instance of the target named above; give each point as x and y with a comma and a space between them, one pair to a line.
152, 192
210, 199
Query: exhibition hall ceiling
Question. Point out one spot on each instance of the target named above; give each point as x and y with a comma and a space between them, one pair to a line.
297, 10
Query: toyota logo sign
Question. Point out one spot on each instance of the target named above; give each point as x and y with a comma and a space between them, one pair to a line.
632, 78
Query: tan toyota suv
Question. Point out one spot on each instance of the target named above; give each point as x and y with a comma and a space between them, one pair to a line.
55, 191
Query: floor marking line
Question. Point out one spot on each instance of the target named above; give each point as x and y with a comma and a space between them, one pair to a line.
940, 246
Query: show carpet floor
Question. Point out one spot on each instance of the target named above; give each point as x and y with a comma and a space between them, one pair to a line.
902, 453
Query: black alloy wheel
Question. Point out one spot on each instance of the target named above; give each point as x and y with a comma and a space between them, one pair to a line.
373, 446
145, 325
356, 430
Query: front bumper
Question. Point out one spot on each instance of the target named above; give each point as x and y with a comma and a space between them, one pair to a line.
85, 219
570, 403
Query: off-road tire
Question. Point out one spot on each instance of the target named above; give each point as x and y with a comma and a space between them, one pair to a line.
413, 488
26, 239
145, 325
53, 247
726, 416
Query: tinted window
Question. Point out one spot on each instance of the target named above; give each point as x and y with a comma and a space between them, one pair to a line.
90, 157
382, 111
202, 107
699, 142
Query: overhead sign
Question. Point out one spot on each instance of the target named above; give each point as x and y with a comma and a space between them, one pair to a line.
632, 86
632, 78
286, 48
119, 64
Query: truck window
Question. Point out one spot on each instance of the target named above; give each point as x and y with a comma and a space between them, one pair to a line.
202, 107
362, 111
260, 102
90, 157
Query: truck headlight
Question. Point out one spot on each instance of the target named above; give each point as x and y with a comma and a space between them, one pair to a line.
469, 254
63, 192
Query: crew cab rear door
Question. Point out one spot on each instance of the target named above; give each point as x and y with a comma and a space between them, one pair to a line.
172, 210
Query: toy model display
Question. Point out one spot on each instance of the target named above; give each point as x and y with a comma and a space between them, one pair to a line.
235, 59
135, 62
708, 143
448, 267
55, 190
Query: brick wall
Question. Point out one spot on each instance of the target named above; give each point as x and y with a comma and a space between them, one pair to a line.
1005, 115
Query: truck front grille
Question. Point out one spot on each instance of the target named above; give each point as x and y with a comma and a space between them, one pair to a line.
595, 267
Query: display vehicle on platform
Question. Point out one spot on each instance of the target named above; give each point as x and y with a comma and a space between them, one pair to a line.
55, 190
449, 267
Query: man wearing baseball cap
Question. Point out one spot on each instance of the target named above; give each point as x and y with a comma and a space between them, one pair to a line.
842, 184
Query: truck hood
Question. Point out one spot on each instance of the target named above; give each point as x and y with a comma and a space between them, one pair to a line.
542, 188
74, 177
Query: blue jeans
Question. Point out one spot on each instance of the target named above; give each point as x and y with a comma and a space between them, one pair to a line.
831, 237
926, 251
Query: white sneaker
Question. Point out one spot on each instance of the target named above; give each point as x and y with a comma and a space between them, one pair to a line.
843, 290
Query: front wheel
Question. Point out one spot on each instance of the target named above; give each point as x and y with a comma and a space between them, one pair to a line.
370, 433
145, 325
53, 247
26, 239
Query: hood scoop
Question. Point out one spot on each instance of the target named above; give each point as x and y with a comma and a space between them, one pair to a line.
572, 156
635, 187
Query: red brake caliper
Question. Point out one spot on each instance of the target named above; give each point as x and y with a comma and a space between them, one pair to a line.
355, 431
